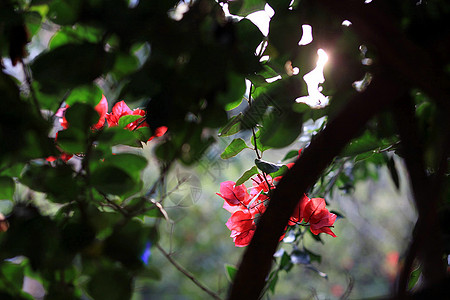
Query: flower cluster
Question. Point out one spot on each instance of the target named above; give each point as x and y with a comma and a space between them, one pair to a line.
119, 110
246, 207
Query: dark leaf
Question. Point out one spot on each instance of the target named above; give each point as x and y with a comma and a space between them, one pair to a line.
267, 167
112, 180
281, 130
111, 283
69, 66
300, 257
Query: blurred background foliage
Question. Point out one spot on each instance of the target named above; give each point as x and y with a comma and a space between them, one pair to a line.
86, 229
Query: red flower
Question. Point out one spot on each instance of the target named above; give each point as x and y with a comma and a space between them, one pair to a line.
317, 215
234, 195
246, 208
119, 110
298, 214
64, 156
102, 109
242, 227
160, 131
260, 183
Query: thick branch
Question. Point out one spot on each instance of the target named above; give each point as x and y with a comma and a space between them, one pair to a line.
256, 263
427, 231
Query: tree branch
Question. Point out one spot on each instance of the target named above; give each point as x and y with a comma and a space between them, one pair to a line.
187, 273
427, 231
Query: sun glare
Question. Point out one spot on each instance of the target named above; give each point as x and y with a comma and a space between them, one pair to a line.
313, 80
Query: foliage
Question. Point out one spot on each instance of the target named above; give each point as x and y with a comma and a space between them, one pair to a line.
93, 233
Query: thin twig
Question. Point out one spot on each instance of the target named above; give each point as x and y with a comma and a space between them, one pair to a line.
348, 290
187, 273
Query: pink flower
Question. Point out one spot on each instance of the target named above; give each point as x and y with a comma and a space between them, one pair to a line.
314, 212
102, 109
242, 227
234, 195
119, 110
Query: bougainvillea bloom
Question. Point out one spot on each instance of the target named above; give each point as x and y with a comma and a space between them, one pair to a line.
102, 109
232, 194
314, 212
242, 227
247, 207
119, 110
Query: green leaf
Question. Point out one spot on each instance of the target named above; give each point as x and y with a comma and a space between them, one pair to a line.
125, 120
72, 140
12, 276
230, 272
414, 277
232, 127
76, 34
247, 174
234, 93
301, 107
131, 163
57, 181
81, 116
124, 65
154, 213
259, 145
273, 283
90, 94
69, 66
363, 156
236, 146
280, 172
279, 131
7, 188
33, 21
64, 12
112, 180
365, 143
267, 167
245, 7
285, 262
127, 243
113, 136
290, 154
